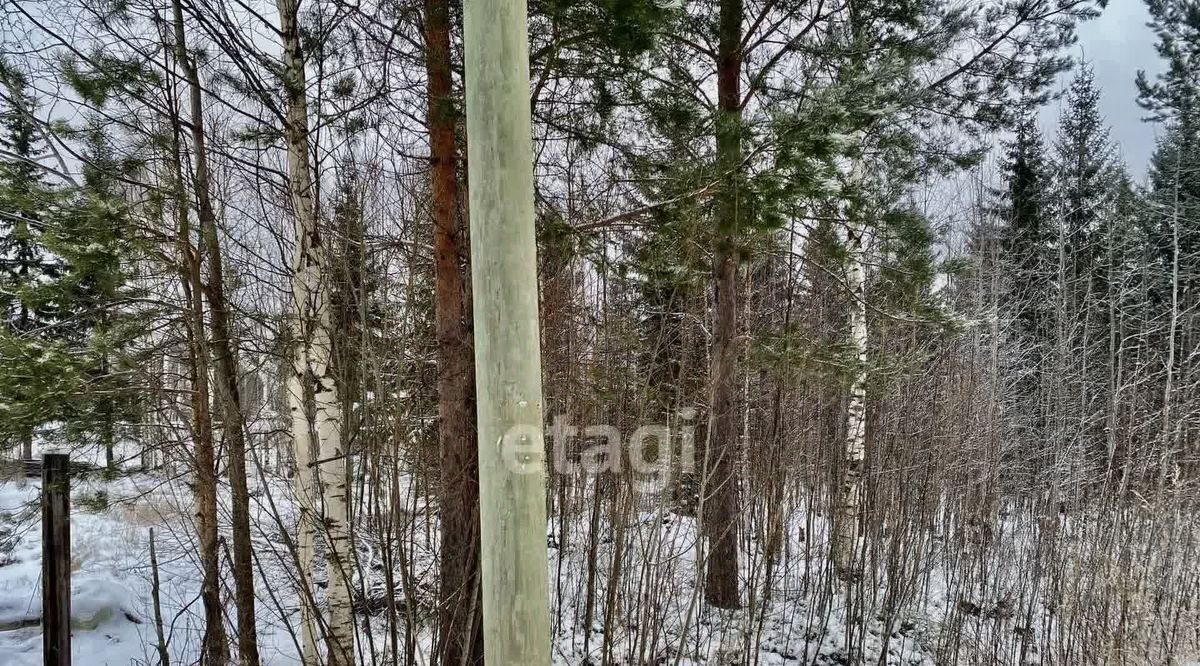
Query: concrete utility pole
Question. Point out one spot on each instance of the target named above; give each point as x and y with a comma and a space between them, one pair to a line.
516, 613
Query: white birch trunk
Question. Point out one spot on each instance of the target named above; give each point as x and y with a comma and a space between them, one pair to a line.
307, 523
849, 503
311, 291
335, 497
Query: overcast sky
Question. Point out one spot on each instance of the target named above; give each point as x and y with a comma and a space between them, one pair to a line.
1118, 44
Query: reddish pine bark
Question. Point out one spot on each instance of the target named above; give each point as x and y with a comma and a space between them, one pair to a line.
225, 365
721, 489
460, 637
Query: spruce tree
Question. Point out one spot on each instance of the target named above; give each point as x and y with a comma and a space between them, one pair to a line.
1173, 97
30, 314
1087, 185
1084, 165
26, 201
1172, 219
98, 287
1028, 254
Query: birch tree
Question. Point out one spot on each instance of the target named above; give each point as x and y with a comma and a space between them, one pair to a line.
312, 367
849, 502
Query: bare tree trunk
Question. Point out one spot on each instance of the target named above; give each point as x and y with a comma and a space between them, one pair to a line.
721, 485
164, 657
299, 405
849, 503
107, 425
1169, 461
460, 633
226, 367
311, 291
214, 644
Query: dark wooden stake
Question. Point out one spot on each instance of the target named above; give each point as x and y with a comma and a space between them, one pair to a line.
56, 559
164, 657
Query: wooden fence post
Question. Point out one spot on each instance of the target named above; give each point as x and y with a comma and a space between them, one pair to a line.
56, 559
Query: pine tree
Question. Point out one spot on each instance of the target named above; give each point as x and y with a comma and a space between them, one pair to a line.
69, 255
878, 85
30, 316
721, 503
97, 285
460, 630
220, 346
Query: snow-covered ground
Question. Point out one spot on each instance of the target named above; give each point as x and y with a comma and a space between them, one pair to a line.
112, 614
653, 616
112, 611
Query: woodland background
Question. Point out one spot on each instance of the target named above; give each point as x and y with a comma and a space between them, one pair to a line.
942, 372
